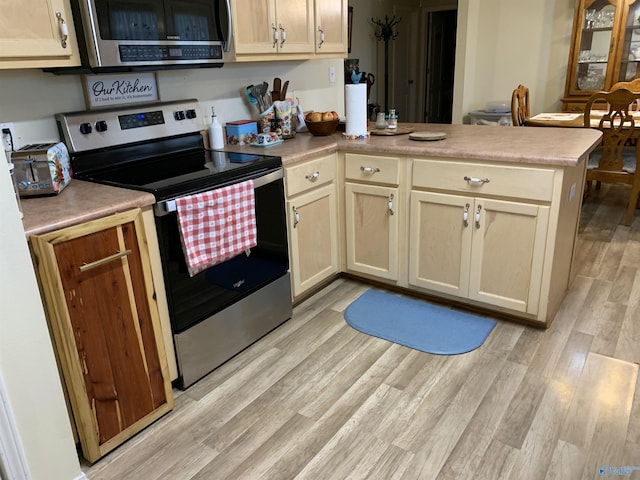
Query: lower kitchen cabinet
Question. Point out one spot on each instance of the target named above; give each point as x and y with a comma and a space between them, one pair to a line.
312, 222
373, 210
100, 300
372, 230
487, 250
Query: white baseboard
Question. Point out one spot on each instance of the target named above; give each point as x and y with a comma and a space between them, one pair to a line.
12, 460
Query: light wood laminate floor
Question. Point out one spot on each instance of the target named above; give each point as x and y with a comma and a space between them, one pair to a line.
316, 399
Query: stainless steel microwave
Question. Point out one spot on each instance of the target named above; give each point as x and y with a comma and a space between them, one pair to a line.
127, 35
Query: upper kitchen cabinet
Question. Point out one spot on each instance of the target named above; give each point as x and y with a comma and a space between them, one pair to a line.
605, 48
272, 27
331, 26
37, 34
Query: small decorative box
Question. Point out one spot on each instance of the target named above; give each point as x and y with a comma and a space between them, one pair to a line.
242, 132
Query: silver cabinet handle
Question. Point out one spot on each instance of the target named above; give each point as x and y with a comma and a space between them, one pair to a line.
283, 35
313, 176
296, 217
276, 35
321, 37
88, 266
465, 215
391, 204
64, 31
476, 180
478, 216
369, 169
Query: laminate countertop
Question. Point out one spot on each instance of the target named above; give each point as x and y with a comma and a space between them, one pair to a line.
78, 202
541, 146
83, 201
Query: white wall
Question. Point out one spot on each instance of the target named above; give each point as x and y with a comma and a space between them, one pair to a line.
27, 364
31, 98
502, 43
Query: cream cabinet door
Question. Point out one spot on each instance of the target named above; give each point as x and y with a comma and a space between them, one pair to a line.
295, 26
273, 26
36, 31
440, 242
507, 253
372, 230
486, 250
313, 237
252, 26
331, 26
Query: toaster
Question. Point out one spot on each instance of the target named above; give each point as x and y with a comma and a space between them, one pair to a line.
41, 169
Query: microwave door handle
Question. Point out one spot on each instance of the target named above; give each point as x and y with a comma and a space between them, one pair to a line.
229, 40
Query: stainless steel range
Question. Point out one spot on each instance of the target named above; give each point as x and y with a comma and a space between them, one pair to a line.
159, 148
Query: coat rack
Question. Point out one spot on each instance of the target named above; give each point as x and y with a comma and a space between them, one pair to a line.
385, 34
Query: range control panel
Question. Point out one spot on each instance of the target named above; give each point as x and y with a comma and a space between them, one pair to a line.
96, 129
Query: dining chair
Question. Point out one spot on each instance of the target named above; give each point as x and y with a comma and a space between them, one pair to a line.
615, 161
520, 109
632, 86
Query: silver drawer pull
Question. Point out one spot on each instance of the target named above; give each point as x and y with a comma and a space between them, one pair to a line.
116, 256
465, 215
476, 180
391, 204
478, 216
296, 217
64, 30
313, 176
369, 169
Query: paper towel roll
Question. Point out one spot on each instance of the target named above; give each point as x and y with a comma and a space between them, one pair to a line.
355, 99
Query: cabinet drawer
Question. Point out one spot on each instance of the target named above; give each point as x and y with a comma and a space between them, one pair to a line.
516, 182
372, 168
305, 176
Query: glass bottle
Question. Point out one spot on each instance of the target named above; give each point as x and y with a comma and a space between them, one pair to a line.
393, 119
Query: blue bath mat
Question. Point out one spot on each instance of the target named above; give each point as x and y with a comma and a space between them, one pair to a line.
417, 324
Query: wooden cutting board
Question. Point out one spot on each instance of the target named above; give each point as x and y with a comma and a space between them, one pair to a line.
392, 131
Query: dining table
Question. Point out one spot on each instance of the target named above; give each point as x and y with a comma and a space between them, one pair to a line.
569, 119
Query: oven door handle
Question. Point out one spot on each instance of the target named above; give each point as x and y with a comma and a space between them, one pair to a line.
166, 207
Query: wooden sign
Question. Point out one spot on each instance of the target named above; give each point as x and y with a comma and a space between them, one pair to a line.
119, 89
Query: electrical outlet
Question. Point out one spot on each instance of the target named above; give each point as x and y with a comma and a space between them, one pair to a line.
332, 75
14, 137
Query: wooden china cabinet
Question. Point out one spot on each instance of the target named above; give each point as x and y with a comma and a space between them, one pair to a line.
605, 48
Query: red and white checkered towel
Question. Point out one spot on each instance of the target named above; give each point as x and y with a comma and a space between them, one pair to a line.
217, 225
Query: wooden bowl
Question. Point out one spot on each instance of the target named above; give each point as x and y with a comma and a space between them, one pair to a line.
322, 128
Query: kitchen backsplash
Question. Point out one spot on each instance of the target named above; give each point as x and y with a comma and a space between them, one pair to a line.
31, 98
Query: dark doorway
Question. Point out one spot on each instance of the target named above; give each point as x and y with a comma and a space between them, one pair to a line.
441, 49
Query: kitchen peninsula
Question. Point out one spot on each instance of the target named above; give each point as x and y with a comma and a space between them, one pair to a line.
486, 217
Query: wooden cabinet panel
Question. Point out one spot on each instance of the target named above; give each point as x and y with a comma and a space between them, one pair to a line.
32, 35
273, 27
502, 180
99, 295
312, 214
372, 168
331, 26
308, 175
478, 248
313, 234
372, 230
440, 244
508, 253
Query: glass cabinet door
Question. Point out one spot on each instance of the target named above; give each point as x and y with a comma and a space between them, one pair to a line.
630, 52
593, 69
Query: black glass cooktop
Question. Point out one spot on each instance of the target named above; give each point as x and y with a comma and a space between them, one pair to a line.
171, 173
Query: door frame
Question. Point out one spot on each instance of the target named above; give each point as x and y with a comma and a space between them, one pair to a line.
422, 74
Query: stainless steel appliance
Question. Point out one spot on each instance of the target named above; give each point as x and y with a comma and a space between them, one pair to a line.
41, 169
140, 34
159, 149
